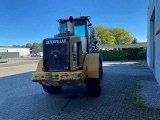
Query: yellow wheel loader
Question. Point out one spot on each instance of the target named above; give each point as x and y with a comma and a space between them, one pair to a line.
69, 58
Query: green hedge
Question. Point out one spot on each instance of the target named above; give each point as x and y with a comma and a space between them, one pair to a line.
125, 54
136, 53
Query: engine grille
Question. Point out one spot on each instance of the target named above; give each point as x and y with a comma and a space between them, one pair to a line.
56, 54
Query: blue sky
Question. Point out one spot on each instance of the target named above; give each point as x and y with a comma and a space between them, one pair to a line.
28, 21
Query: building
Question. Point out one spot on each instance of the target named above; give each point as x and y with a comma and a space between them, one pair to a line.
35, 51
153, 37
136, 45
10, 52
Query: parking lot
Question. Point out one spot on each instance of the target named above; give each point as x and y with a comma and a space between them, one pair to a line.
22, 99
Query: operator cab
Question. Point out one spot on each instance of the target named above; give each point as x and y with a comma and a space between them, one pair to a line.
76, 27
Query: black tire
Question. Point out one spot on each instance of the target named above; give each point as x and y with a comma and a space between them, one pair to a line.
52, 89
93, 85
101, 66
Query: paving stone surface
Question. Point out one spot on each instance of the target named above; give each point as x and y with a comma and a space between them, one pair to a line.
150, 91
22, 99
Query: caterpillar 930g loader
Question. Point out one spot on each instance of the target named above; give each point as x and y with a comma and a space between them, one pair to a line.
69, 58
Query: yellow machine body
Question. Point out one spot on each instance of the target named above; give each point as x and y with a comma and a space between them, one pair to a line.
68, 58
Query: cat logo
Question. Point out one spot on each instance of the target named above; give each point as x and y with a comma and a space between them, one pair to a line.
55, 41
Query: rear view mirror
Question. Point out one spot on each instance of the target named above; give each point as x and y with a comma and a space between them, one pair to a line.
90, 24
71, 19
95, 42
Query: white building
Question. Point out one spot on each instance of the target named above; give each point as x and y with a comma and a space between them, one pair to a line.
136, 45
153, 37
21, 51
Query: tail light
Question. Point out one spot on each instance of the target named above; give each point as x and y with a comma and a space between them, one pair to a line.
43, 69
66, 67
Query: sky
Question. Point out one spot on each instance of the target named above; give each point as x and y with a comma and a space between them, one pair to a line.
29, 21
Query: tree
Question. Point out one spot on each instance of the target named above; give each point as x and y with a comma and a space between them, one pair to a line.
29, 45
23, 46
16, 46
121, 36
41, 45
134, 41
35, 45
105, 36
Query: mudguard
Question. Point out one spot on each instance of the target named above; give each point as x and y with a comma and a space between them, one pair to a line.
91, 65
39, 66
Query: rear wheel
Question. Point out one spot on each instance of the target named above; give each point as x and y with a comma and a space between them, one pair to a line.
93, 85
52, 89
